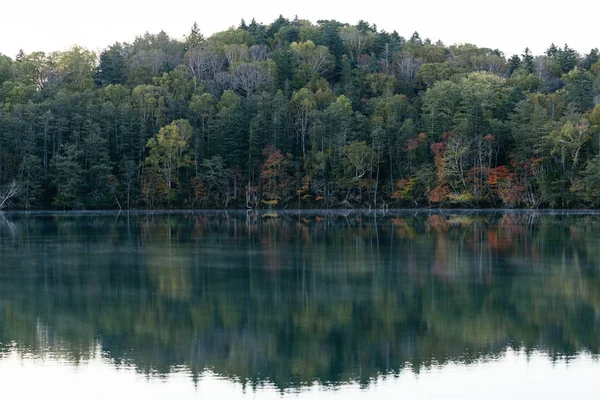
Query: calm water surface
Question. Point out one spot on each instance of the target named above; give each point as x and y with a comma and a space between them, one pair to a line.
310, 305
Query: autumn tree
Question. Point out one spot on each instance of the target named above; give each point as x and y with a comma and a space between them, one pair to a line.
276, 177
169, 153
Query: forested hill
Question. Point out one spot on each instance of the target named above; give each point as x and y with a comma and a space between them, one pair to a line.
299, 115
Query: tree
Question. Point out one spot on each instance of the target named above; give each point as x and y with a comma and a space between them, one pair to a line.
447, 125
355, 41
75, 68
99, 180
527, 60
218, 181
7, 194
169, 153
407, 67
202, 109
232, 138
514, 63
194, 38
566, 144
580, 90
276, 177
6, 69
440, 105
590, 59
317, 57
304, 103
68, 177
203, 63
31, 179
248, 78
111, 69
359, 159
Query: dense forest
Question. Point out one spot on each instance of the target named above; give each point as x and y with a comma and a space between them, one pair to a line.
299, 115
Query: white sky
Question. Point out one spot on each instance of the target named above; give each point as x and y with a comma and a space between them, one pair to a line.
509, 25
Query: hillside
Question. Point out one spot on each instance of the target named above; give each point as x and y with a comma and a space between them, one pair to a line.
299, 115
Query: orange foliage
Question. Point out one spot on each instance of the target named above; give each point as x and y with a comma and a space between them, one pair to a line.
499, 242
275, 175
198, 188
439, 194
414, 144
404, 189
497, 175
439, 223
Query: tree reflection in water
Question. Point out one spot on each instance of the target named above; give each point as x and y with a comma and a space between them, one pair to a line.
296, 298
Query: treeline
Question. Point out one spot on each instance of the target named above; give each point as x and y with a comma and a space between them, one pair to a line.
299, 115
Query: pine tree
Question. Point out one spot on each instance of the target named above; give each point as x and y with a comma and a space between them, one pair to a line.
527, 60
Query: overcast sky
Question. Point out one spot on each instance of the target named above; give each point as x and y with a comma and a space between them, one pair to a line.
509, 25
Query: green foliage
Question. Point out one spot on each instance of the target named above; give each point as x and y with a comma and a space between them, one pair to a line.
111, 69
169, 153
69, 178
315, 92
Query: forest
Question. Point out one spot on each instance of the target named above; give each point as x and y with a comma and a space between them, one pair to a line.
294, 114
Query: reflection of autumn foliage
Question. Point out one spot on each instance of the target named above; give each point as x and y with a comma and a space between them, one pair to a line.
438, 223
440, 266
512, 226
499, 241
403, 229
398, 221
227, 291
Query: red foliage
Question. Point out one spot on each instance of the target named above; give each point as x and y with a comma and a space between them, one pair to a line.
198, 188
489, 138
497, 176
275, 176
439, 194
414, 144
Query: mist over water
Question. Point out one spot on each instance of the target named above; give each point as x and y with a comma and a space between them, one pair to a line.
301, 302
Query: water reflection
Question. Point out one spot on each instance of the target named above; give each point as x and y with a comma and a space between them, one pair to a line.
298, 298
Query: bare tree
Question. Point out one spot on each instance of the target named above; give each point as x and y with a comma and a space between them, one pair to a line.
221, 82
259, 52
235, 53
494, 65
152, 59
204, 64
8, 193
317, 57
407, 67
248, 77
355, 41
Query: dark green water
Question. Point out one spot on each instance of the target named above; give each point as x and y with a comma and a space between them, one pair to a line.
298, 300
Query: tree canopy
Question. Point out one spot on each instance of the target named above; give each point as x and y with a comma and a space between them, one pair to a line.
462, 126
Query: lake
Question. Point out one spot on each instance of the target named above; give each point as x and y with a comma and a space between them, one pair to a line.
406, 304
